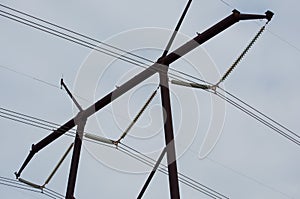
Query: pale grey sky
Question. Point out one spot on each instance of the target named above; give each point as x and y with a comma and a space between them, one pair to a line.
248, 161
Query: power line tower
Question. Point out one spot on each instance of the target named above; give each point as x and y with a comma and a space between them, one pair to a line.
161, 67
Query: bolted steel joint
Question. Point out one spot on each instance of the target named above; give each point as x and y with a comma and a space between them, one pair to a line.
269, 15
80, 118
236, 13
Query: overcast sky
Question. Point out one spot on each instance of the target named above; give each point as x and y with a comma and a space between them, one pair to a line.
248, 161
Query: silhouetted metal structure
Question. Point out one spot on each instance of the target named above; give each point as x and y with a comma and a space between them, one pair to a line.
161, 67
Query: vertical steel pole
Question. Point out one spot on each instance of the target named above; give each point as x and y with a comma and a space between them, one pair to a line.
169, 135
75, 159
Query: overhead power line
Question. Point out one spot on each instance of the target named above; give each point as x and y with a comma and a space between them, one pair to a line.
46, 125
227, 4
182, 177
149, 160
5, 181
212, 193
290, 135
56, 125
124, 55
74, 32
71, 38
261, 113
161, 64
100, 42
94, 47
248, 109
29, 76
29, 120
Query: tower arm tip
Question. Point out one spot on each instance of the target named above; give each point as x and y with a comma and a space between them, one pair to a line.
269, 15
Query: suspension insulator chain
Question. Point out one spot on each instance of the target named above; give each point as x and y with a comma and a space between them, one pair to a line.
136, 118
237, 61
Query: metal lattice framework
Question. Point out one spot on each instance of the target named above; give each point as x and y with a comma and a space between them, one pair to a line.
161, 67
